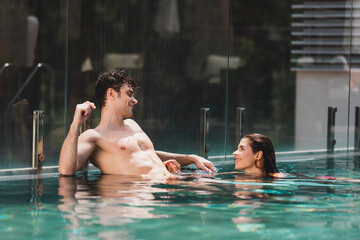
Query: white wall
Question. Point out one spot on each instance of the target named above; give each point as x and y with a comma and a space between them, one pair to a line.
315, 92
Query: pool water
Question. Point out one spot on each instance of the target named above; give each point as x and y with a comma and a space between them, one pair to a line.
228, 205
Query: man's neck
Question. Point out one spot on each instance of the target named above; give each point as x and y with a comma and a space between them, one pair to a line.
110, 120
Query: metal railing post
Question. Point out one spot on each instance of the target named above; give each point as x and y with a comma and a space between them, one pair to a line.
38, 140
331, 129
357, 129
204, 129
85, 126
239, 124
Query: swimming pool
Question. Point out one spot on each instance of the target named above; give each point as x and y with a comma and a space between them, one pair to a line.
197, 206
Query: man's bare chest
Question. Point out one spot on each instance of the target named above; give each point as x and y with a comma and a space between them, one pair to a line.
127, 143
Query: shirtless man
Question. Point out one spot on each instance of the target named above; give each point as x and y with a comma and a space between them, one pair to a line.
116, 145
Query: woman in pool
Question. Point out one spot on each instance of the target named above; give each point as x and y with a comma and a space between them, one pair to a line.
256, 156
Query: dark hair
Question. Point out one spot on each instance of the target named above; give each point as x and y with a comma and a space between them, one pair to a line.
114, 80
259, 142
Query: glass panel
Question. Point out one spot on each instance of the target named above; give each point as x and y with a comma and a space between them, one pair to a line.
295, 56
32, 56
354, 63
264, 83
175, 50
285, 61
322, 71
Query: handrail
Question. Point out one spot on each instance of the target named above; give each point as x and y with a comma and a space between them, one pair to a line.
30, 77
6, 65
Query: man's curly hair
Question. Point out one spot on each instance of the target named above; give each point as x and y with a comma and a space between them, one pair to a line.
114, 80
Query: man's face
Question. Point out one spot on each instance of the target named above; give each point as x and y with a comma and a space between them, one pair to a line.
126, 100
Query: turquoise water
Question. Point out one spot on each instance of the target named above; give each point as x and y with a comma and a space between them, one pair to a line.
196, 206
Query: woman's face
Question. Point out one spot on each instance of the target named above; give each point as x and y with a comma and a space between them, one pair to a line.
244, 156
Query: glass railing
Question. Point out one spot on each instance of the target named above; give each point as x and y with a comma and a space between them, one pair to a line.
284, 62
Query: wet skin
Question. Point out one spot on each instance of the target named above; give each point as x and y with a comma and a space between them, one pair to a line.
116, 145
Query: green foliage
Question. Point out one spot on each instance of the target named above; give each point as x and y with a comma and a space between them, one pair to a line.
245, 48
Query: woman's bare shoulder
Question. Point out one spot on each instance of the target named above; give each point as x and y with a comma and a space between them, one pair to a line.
280, 175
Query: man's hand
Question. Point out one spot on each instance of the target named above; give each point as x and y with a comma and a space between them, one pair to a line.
172, 166
203, 164
184, 160
83, 112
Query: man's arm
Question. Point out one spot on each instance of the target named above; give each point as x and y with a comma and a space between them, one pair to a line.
76, 150
185, 160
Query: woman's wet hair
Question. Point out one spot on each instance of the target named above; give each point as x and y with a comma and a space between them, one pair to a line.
259, 142
114, 80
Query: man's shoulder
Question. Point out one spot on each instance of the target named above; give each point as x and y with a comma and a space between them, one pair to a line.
131, 123
91, 134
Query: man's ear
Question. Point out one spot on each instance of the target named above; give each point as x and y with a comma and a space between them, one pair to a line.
259, 155
110, 94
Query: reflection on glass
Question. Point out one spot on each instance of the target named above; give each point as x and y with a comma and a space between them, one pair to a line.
284, 61
321, 61
32, 48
